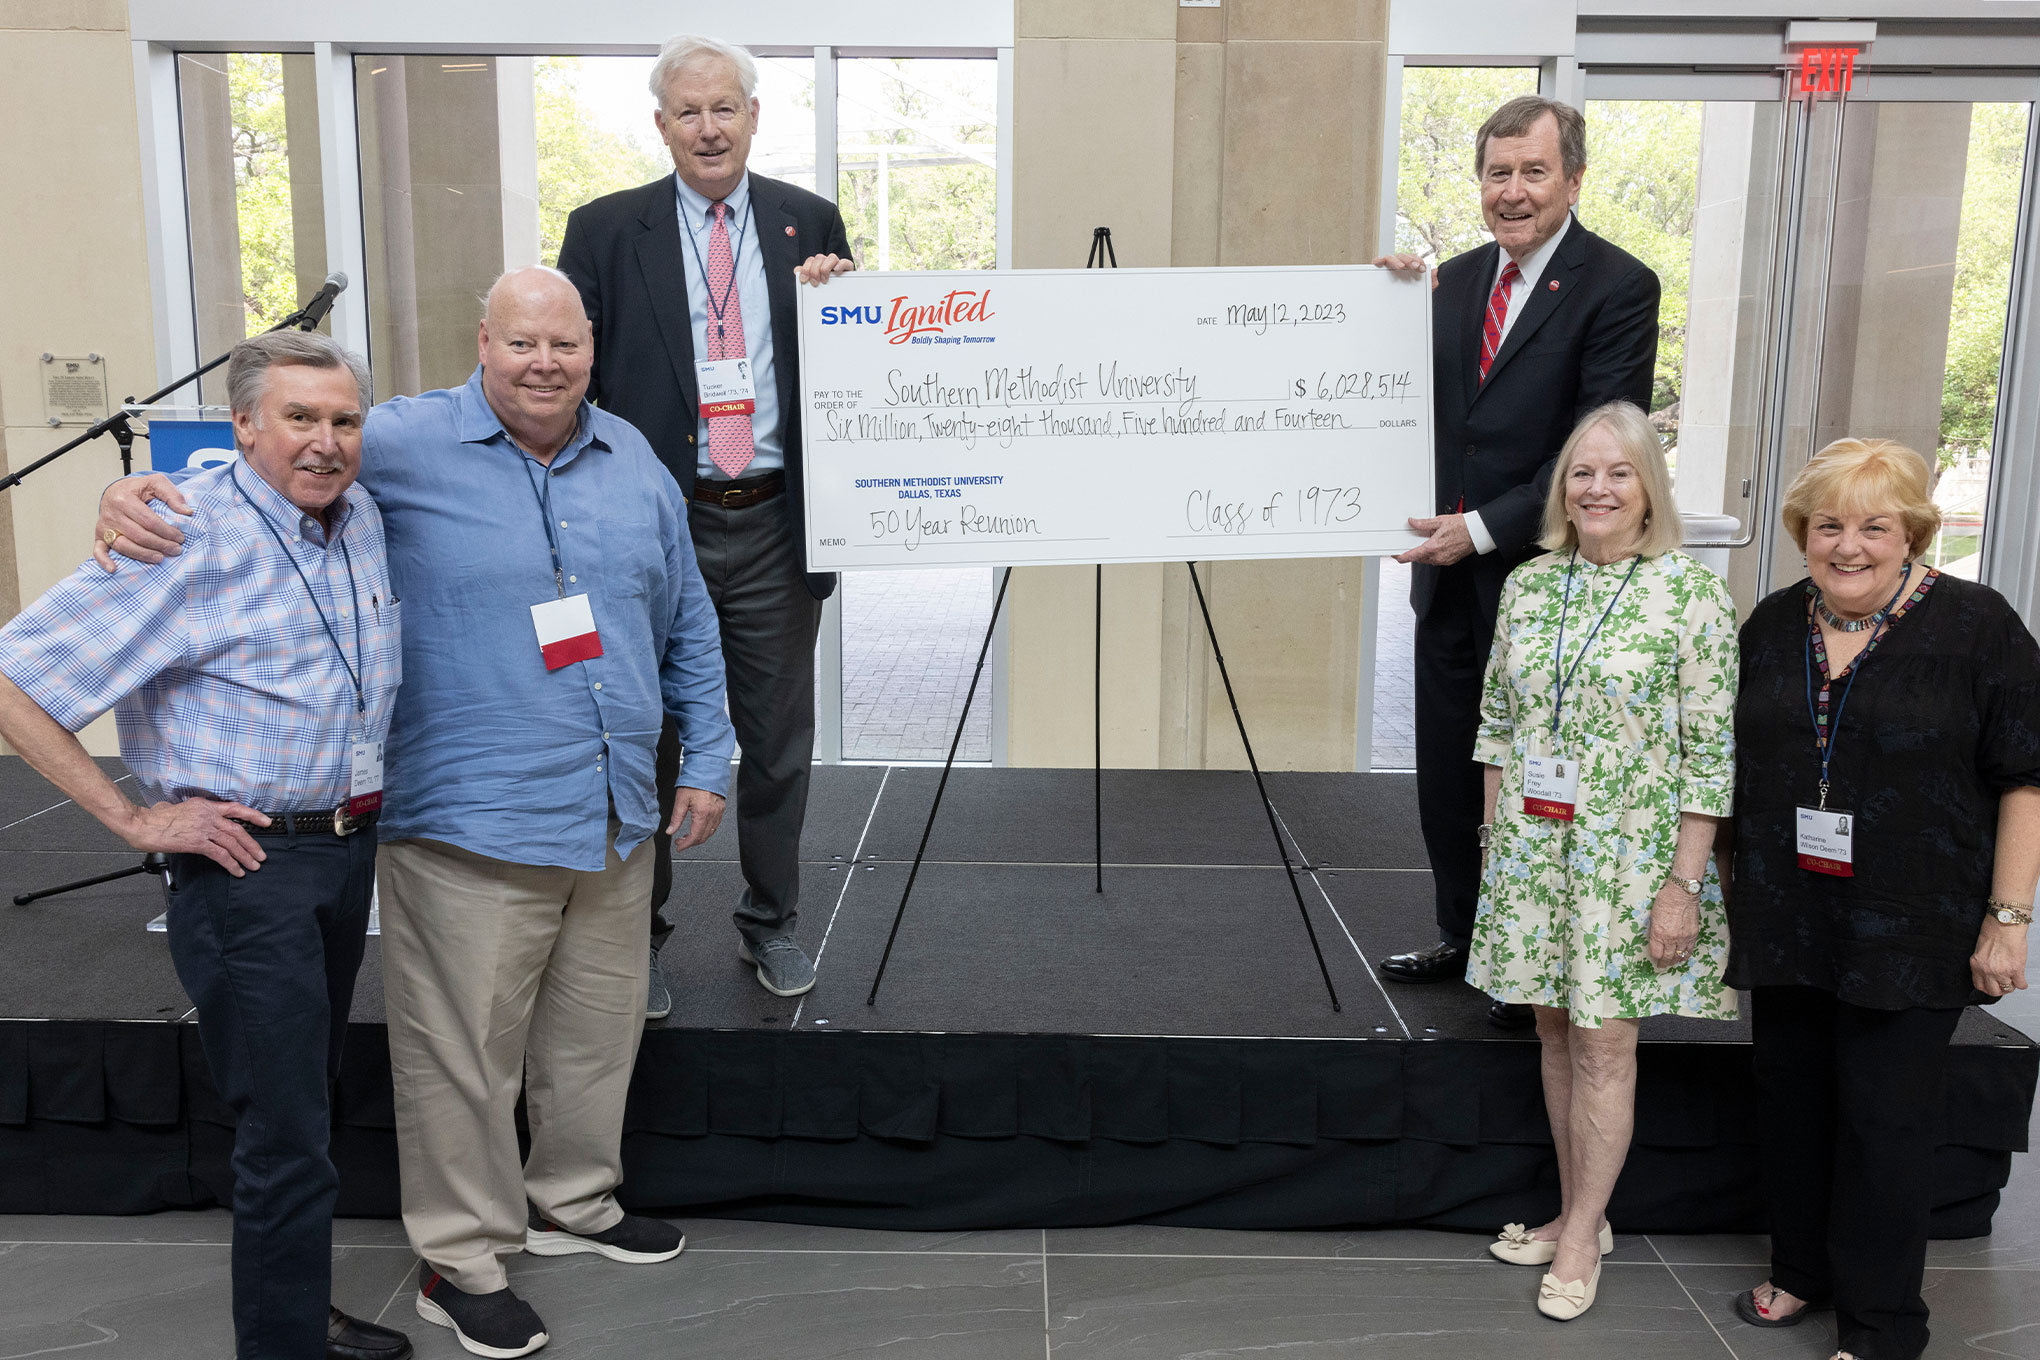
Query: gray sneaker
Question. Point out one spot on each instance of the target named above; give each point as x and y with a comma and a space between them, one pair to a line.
658, 995
783, 967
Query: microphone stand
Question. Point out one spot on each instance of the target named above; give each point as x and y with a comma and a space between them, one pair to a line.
118, 425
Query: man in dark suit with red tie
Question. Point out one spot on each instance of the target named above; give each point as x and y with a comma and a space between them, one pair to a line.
689, 286
1529, 333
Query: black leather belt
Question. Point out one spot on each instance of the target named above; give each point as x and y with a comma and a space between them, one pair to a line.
320, 822
741, 492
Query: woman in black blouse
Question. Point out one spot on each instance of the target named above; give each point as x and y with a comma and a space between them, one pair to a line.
1886, 846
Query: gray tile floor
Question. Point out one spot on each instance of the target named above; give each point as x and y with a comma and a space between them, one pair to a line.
156, 1287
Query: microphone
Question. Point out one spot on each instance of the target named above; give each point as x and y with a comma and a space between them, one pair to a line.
313, 312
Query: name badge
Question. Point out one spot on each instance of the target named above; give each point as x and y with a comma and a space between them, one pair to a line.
725, 387
364, 783
1826, 842
566, 631
1550, 786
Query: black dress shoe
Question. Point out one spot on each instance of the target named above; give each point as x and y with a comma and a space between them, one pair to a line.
1442, 962
1505, 1015
353, 1339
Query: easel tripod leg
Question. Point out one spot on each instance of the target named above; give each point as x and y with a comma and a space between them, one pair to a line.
921, 851
1266, 806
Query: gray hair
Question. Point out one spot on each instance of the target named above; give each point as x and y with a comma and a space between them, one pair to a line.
1517, 117
249, 362
677, 51
542, 270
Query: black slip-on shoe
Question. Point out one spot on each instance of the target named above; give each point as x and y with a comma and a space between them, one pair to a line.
499, 1325
349, 1338
1508, 1015
634, 1239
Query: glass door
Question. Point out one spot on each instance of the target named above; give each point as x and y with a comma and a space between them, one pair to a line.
1830, 268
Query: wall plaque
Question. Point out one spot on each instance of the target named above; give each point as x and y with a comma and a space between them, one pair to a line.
74, 389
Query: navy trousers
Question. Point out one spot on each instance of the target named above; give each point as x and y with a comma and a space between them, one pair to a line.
269, 959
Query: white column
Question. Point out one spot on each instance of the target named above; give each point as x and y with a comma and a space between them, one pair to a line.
340, 173
517, 156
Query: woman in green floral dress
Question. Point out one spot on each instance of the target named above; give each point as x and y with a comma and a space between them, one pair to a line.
1605, 729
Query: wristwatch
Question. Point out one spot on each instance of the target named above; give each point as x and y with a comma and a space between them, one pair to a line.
1484, 833
1689, 886
2010, 915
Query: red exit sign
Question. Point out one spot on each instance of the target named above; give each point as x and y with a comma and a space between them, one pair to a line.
1825, 71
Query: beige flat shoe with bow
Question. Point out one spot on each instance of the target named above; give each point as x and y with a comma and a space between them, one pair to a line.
1519, 1248
1556, 1299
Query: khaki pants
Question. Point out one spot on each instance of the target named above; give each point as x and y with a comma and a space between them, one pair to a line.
494, 972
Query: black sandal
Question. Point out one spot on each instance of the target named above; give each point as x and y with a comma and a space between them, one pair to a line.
1746, 1308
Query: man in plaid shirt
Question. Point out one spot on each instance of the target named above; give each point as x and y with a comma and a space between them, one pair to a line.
252, 678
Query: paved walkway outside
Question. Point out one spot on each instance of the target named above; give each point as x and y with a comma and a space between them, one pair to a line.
910, 641
1395, 647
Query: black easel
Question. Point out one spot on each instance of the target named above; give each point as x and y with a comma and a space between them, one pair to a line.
1101, 253
118, 425
1102, 256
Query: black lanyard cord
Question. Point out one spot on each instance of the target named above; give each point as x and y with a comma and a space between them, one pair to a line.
353, 592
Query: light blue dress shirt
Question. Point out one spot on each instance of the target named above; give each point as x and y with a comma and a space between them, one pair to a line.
224, 678
696, 222
488, 749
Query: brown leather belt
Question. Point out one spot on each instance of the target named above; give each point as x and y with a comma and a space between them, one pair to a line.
321, 822
741, 492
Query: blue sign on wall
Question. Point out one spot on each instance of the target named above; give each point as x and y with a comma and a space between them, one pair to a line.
190, 443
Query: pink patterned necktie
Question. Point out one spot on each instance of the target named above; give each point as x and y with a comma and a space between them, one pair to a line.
1497, 315
729, 437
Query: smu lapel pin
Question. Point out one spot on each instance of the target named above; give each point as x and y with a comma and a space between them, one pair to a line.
1553, 285
789, 231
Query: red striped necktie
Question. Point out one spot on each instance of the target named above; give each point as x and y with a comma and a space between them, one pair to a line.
1497, 315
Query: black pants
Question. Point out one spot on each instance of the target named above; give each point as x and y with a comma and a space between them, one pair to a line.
1455, 633
269, 960
1850, 1114
752, 567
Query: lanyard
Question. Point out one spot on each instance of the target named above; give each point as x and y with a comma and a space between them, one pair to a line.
544, 499
1558, 656
1824, 736
708, 289
354, 676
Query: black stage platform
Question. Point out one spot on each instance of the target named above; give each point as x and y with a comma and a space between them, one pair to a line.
1040, 1055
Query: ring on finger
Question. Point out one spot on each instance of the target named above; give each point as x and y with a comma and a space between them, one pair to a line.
110, 536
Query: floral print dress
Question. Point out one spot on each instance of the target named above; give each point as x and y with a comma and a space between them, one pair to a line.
1565, 906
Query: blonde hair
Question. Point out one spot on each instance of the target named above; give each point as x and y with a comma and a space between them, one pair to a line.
1865, 477
1662, 529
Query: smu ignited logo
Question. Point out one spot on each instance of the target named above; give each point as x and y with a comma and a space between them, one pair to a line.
904, 321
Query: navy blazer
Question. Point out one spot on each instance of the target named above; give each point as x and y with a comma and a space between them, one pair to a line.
623, 251
1587, 335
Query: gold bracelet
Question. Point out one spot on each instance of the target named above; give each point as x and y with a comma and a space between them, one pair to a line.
2010, 913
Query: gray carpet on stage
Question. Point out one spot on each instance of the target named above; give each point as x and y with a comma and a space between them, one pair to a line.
1196, 933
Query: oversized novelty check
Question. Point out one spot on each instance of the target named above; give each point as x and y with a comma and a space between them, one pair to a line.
1114, 415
